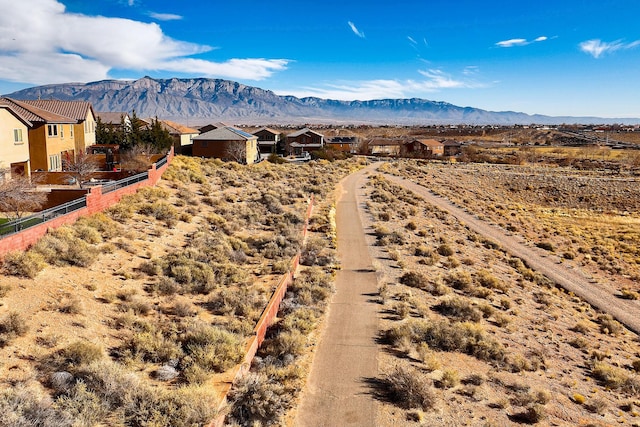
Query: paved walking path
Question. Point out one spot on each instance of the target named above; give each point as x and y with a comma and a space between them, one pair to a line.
571, 279
337, 393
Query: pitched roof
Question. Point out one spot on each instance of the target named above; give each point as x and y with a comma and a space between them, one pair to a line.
382, 141
174, 127
77, 110
303, 131
227, 133
275, 132
15, 113
428, 142
111, 117
35, 114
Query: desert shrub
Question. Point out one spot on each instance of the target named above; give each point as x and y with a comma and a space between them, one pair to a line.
71, 305
450, 378
445, 250
614, 378
183, 309
629, 294
312, 253
428, 357
459, 308
608, 325
23, 406
408, 388
532, 414
290, 342
465, 337
547, 246
152, 346
414, 279
23, 264
459, 279
256, 400
488, 280
81, 353
11, 327
635, 365
303, 319
581, 327
597, 406
237, 302
4, 290
212, 348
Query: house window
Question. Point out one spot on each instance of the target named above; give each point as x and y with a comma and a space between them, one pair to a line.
71, 131
52, 130
17, 136
61, 131
55, 163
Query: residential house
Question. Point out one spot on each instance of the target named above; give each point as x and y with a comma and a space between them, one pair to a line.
212, 126
348, 144
115, 120
182, 136
227, 143
451, 147
304, 140
84, 129
14, 142
423, 148
382, 146
51, 135
269, 141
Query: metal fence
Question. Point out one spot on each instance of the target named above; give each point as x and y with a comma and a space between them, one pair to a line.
20, 224
113, 186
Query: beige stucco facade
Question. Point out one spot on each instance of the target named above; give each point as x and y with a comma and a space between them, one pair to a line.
49, 147
14, 142
85, 133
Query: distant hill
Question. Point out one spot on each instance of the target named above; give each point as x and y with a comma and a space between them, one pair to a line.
203, 100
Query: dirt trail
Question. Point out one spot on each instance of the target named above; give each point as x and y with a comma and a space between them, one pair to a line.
337, 393
625, 311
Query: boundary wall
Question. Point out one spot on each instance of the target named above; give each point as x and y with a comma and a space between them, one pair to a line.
96, 202
268, 317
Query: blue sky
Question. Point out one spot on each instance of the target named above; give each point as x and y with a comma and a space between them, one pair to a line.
569, 58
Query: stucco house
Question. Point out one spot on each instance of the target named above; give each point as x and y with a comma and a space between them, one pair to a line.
84, 129
14, 142
227, 143
304, 140
382, 146
182, 135
115, 120
269, 141
51, 136
424, 148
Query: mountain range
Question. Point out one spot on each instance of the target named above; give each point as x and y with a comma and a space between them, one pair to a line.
200, 100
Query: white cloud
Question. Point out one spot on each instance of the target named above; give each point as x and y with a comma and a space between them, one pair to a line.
412, 40
42, 43
355, 29
435, 80
165, 16
520, 42
597, 48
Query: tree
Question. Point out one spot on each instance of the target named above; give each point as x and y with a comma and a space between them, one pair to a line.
237, 151
82, 166
18, 196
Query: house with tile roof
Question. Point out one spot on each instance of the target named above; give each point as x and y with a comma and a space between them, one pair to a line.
14, 142
51, 136
227, 143
304, 140
84, 128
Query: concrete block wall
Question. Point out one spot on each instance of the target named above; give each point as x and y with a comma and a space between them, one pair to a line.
96, 202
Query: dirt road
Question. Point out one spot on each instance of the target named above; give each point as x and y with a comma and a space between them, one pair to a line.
625, 311
336, 392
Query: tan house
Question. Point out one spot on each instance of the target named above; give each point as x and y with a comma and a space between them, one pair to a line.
115, 120
51, 136
382, 146
14, 142
182, 135
269, 141
227, 143
424, 148
304, 140
84, 128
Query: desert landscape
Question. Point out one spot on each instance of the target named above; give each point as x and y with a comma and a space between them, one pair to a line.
131, 317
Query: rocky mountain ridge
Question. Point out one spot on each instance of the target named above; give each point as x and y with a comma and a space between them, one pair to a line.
201, 100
